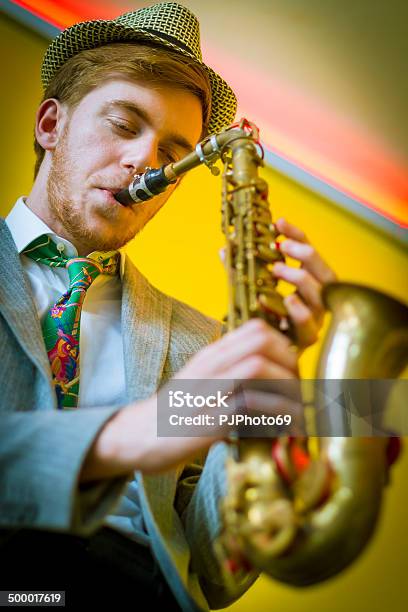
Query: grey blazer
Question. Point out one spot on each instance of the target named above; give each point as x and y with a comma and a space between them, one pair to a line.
42, 449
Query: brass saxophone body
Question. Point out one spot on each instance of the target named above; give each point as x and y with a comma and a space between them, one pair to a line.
298, 509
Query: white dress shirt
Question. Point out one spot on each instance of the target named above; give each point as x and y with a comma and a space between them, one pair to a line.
102, 377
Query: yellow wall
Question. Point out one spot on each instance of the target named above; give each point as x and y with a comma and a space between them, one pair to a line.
178, 252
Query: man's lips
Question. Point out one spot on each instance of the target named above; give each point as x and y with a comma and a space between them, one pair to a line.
112, 190
110, 194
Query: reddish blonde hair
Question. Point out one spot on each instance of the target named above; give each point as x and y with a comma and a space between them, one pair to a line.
140, 63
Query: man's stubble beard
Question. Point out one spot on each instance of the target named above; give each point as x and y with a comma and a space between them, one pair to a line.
70, 217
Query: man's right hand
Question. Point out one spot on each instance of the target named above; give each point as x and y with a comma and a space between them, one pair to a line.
129, 441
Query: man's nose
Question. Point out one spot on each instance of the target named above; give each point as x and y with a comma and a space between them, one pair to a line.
140, 155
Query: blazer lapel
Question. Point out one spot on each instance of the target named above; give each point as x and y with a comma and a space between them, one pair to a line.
146, 315
17, 303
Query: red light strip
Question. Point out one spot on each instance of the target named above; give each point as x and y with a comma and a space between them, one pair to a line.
38, 13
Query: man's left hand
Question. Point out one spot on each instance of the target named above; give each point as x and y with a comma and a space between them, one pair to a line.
305, 306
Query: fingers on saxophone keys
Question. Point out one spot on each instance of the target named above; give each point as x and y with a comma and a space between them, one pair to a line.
255, 338
310, 258
257, 367
291, 231
308, 287
307, 328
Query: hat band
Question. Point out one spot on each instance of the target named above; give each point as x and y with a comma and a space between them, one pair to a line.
169, 38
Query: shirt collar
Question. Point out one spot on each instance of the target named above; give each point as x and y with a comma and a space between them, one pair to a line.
25, 226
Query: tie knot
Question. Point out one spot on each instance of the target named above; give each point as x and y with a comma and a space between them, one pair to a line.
86, 269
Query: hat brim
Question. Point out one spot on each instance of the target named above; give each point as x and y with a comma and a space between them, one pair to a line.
92, 34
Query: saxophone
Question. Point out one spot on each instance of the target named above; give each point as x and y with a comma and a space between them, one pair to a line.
299, 509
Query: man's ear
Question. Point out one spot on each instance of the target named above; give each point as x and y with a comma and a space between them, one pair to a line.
49, 123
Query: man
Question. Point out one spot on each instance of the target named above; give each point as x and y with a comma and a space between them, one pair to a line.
84, 477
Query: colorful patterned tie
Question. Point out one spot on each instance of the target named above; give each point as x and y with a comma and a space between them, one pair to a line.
62, 323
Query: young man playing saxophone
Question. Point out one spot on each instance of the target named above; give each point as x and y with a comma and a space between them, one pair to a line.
85, 478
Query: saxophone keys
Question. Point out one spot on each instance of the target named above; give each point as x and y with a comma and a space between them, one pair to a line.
312, 487
270, 548
274, 528
267, 287
260, 185
281, 455
269, 252
265, 229
273, 304
262, 216
277, 514
271, 244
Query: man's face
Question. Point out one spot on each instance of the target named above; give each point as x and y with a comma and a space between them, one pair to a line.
115, 132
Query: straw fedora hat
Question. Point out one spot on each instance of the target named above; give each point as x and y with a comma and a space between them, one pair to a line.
167, 23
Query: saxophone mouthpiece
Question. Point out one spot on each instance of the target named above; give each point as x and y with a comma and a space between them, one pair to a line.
144, 187
124, 197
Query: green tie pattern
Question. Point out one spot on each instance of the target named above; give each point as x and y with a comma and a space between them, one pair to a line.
61, 324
